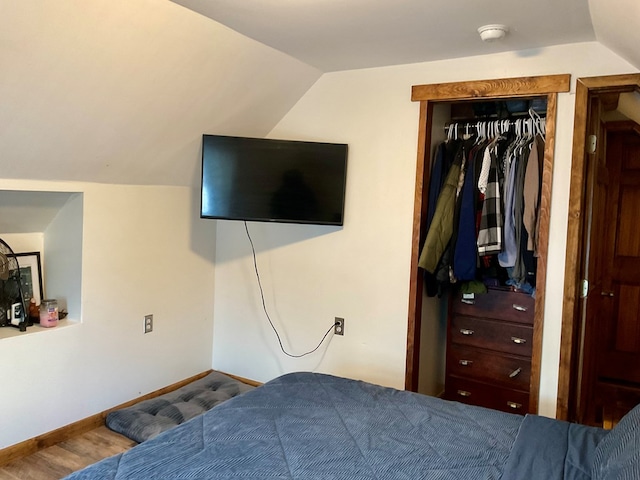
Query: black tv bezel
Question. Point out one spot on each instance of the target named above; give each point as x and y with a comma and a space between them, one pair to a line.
269, 219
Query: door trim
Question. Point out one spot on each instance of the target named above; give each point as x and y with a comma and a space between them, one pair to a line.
428, 95
569, 349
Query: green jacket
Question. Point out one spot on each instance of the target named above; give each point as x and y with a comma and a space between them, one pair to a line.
441, 227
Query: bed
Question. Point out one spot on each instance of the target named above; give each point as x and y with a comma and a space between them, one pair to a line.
310, 426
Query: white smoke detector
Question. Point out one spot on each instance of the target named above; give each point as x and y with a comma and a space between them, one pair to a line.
490, 33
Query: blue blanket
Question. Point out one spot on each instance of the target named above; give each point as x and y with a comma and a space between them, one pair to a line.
309, 426
553, 450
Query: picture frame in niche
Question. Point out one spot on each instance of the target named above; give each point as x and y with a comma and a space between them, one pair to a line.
30, 276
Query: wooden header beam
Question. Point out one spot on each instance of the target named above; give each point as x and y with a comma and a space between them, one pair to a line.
508, 88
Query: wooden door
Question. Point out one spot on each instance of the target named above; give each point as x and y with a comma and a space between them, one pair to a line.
614, 314
596, 193
574, 359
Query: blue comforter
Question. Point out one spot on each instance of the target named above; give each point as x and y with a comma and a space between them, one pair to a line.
307, 426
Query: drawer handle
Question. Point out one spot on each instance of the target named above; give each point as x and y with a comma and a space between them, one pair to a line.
520, 308
514, 405
464, 393
515, 373
465, 363
466, 331
518, 340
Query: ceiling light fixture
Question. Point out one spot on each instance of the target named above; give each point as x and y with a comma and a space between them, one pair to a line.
490, 33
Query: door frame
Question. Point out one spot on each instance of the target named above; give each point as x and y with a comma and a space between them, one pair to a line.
505, 88
570, 347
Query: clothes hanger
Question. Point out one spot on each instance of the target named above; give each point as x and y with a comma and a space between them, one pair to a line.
449, 132
466, 135
539, 123
480, 132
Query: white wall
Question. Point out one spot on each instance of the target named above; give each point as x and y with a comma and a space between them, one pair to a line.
361, 271
25, 242
144, 250
62, 257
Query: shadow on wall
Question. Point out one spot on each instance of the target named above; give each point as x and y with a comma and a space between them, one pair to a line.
203, 232
266, 236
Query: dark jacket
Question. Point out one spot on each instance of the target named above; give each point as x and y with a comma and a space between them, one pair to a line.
441, 227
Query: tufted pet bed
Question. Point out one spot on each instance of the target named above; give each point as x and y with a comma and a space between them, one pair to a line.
146, 419
310, 426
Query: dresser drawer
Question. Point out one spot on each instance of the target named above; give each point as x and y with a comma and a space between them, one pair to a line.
492, 334
486, 395
506, 370
497, 304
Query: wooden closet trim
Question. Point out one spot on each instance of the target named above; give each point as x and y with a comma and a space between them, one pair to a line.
427, 95
498, 88
575, 225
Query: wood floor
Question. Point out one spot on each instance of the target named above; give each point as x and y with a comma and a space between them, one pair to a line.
60, 460
70, 450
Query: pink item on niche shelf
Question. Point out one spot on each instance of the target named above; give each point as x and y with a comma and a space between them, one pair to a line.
49, 313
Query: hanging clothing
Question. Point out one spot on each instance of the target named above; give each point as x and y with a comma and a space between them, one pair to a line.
468, 151
507, 256
519, 272
443, 159
483, 178
466, 251
482, 220
441, 228
532, 187
435, 181
444, 156
490, 232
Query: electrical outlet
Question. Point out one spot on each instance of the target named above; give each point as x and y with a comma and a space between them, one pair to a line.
338, 326
148, 323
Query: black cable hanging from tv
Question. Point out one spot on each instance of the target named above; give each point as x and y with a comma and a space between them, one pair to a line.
264, 306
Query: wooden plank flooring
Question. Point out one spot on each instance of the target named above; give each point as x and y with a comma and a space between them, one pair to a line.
58, 461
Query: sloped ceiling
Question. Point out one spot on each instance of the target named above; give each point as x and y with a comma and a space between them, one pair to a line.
617, 27
121, 92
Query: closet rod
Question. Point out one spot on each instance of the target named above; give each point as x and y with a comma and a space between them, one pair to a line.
502, 123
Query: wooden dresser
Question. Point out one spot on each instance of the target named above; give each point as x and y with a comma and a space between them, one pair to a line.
489, 345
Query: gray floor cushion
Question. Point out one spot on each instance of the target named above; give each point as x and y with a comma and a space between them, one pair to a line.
146, 419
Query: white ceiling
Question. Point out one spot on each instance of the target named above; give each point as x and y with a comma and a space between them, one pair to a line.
349, 34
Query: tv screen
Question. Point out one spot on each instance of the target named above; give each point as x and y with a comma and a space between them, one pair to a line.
269, 180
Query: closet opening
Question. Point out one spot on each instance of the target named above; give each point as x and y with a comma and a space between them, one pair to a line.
471, 116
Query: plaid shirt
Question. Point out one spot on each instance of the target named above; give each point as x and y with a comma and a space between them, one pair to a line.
490, 232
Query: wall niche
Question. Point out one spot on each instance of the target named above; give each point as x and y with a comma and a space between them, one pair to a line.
51, 223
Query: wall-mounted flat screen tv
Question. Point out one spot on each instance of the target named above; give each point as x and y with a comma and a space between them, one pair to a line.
268, 180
